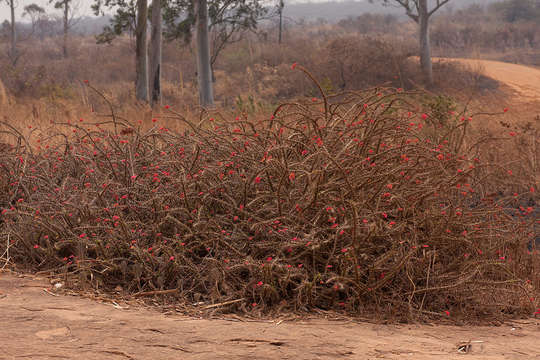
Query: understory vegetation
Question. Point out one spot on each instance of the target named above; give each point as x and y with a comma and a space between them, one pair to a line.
367, 202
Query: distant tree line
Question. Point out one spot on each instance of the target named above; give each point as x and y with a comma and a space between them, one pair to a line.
215, 23
169, 19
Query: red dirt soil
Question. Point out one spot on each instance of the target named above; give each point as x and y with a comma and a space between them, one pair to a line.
524, 80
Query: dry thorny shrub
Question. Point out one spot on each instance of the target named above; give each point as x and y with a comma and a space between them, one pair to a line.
363, 202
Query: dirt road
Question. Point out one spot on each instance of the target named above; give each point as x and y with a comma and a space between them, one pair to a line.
36, 324
524, 80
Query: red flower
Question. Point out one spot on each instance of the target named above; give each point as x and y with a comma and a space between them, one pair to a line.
292, 176
293, 66
258, 180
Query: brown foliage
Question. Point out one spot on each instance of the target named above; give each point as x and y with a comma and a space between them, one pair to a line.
362, 201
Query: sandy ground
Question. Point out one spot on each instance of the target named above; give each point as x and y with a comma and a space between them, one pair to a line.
524, 80
36, 323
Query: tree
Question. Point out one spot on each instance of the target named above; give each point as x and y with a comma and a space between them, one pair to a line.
204, 70
156, 52
131, 16
35, 12
13, 53
225, 19
419, 11
67, 7
141, 51
280, 7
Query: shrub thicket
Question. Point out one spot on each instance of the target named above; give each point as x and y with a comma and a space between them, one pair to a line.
358, 202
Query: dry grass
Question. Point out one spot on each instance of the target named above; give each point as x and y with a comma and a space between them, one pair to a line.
3, 95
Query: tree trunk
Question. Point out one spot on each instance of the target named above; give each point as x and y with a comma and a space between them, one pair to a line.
66, 23
281, 5
141, 51
156, 53
425, 47
13, 52
204, 70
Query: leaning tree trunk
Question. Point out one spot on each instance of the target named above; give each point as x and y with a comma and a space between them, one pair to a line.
141, 51
13, 53
156, 53
425, 47
66, 24
204, 70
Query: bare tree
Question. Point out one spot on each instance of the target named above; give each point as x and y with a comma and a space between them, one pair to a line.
141, 51
204, 70
156, 52
13, 52
68, 8
130, 16
419, 11
280, 7
35, 12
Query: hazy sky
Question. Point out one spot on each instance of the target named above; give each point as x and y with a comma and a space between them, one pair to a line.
84, 7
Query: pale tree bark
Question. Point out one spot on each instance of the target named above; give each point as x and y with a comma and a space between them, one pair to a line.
13, 36
425, 45
281, 6
156, 53
141, 51
419, 11
66, 28
204, 70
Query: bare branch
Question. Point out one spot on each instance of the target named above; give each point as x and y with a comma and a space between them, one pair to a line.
440, 3
408, 9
